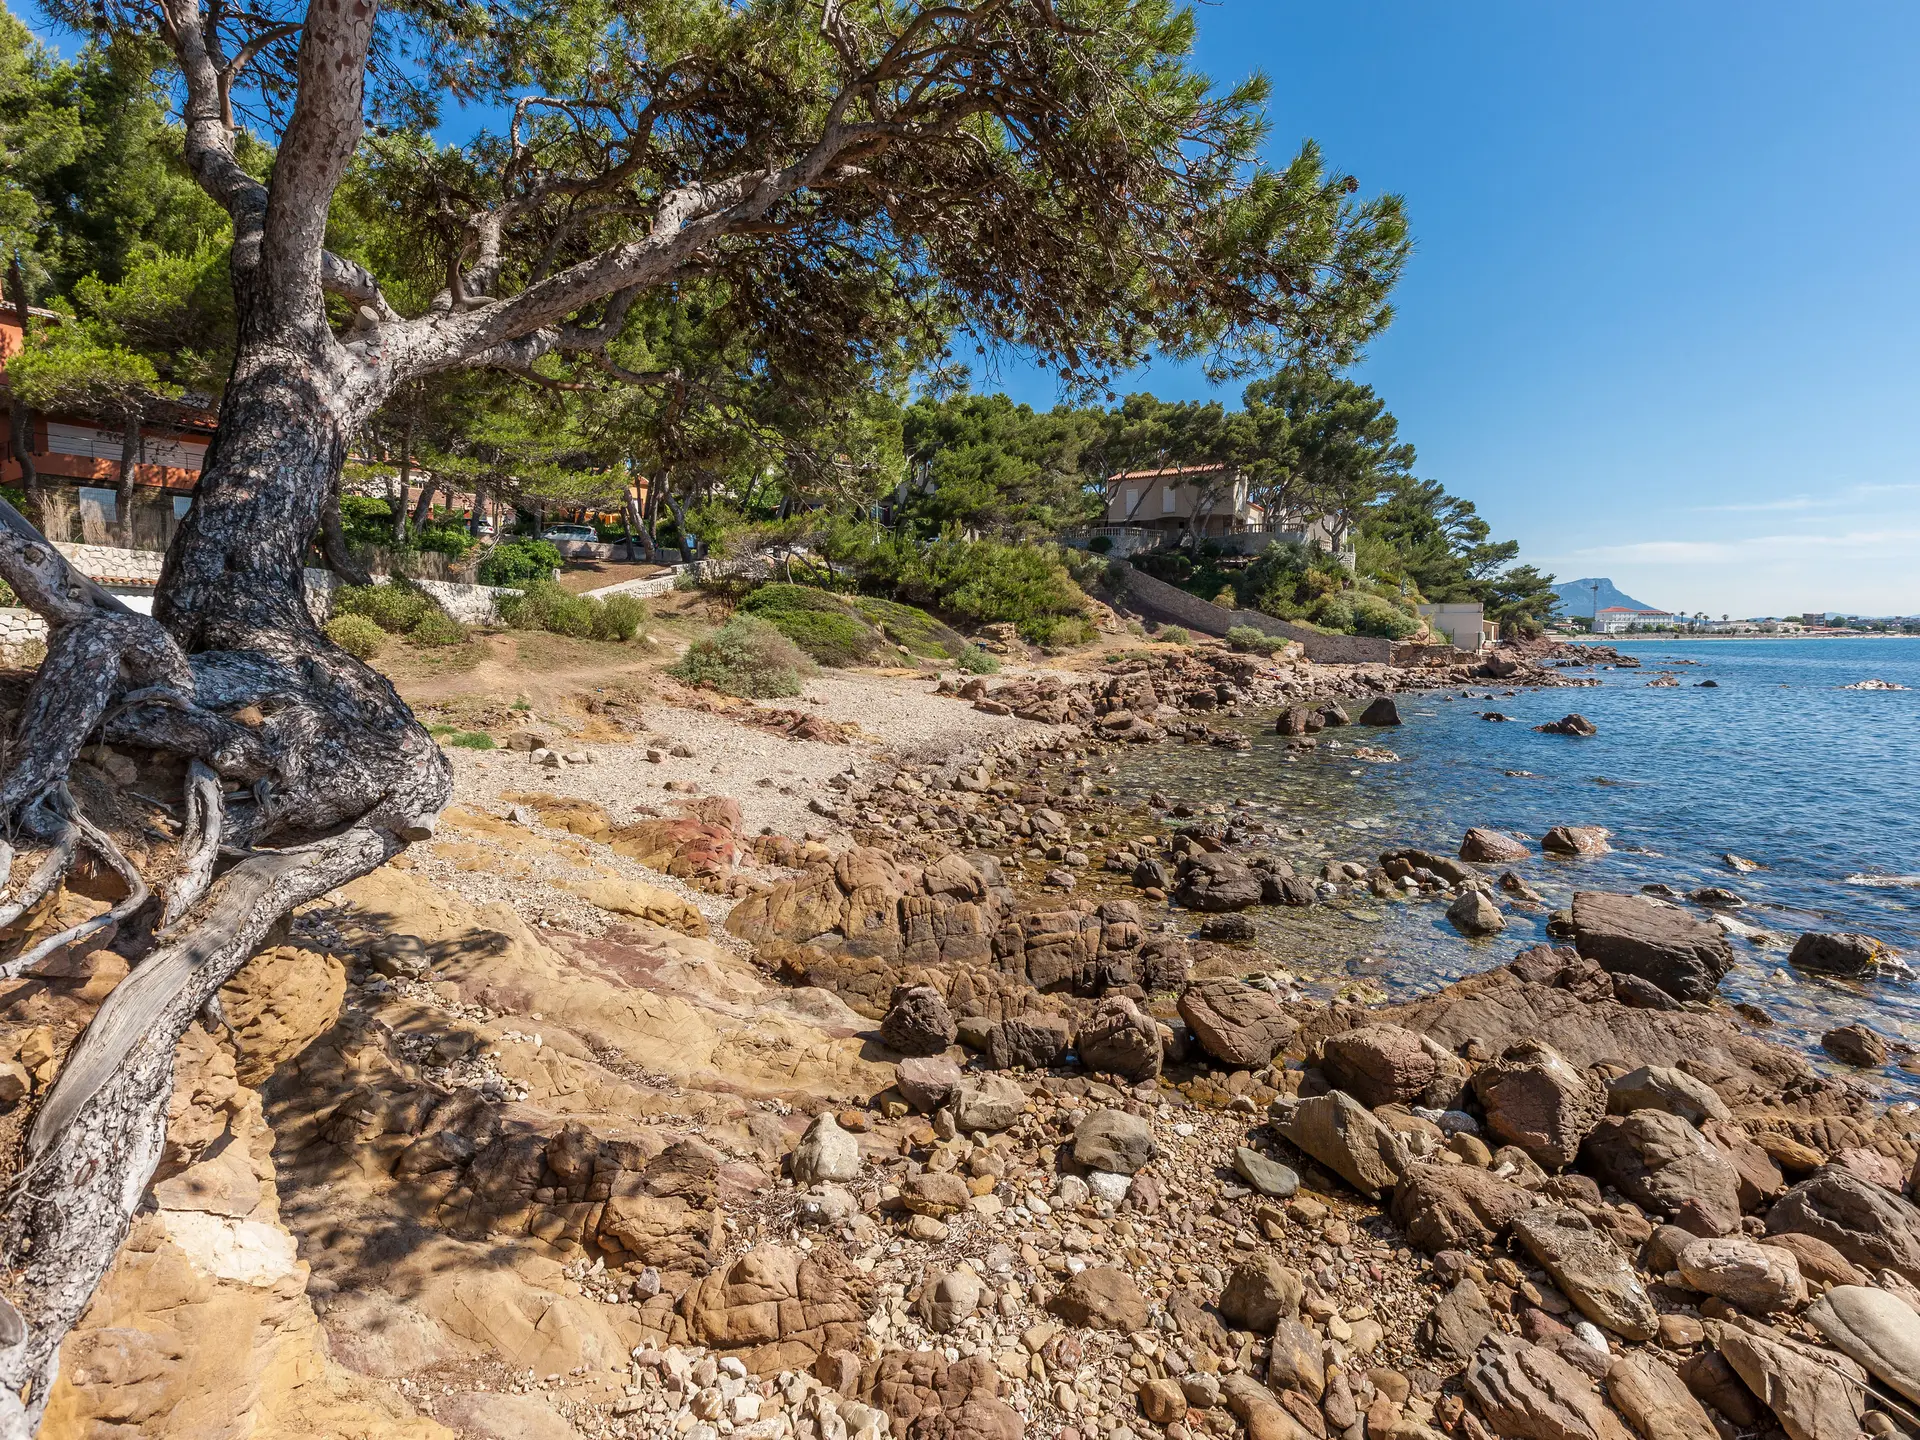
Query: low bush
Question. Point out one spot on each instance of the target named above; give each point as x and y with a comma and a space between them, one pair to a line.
1174, 635
438, 628
472, 740
620, 617
911, 628
747, 657
357, 635
1100, 544
818, 622
395, 607
544, 605
1375, 615
1249, 641
519, 559
1057, 632
976, 661
1333, 612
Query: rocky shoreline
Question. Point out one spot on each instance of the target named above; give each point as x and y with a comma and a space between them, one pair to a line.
989, 1125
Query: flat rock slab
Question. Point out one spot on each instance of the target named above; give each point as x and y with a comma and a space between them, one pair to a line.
1591, 1270
1637, 935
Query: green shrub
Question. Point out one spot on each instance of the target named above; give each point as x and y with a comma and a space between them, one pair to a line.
976, 661
545, 605
357, 635
518, 559
437, 627
911, 628
1057, 632
1100, 544
1333, 612
1249, 641
1174, 635
1376, 615
818, 622
746, 656
396, 607
620, 617
471, 740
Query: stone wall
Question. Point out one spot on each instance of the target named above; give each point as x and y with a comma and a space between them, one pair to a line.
1171, 605
644, 588
18, 629
469, 604
109, 563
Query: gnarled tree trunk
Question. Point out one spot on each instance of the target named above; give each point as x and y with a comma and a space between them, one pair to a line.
303, 763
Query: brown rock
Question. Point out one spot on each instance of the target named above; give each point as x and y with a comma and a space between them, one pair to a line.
1120, 1039
1459, 1322
1655, 1400
1345, 1136
1575, 840
1295, 1360
1820, 1264
1528, 1392
783, 1309
1163, 1402
1760, 1279
1377, 1064
1855, 1045
1491, 847
1236, 1024
1455, 1207
1814, 1393
1871, 1226
1661, 1163
1712, 1381
1260, 1293
1590, 1269
1102, 1298
1535, 1099
1637, 935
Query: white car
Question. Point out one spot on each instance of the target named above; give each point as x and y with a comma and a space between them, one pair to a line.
570, 532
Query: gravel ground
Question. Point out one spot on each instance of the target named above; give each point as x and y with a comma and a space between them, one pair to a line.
771, 776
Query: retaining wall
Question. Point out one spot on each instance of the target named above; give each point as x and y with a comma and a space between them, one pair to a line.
643, 588
1169, 604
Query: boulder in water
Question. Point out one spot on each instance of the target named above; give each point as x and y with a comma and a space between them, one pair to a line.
1491, 847
1569, 725
1636, 935
1381, 711
1842, 952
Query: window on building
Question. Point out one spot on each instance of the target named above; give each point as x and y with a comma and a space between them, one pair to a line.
97, 507
182, 504
1168, 499
1133, 502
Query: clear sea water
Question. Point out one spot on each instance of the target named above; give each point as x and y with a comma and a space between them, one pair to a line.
1779, 764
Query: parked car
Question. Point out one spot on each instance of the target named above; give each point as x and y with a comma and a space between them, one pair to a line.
570, 532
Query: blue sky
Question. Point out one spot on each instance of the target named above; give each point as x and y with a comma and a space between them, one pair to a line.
1663, 319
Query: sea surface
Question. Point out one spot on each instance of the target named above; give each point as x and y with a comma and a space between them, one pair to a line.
1777, 763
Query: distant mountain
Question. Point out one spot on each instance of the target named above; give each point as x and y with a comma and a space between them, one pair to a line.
1578, 597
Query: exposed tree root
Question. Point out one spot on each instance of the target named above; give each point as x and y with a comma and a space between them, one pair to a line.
337, 775
99, 1134
201, 846
102, 845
